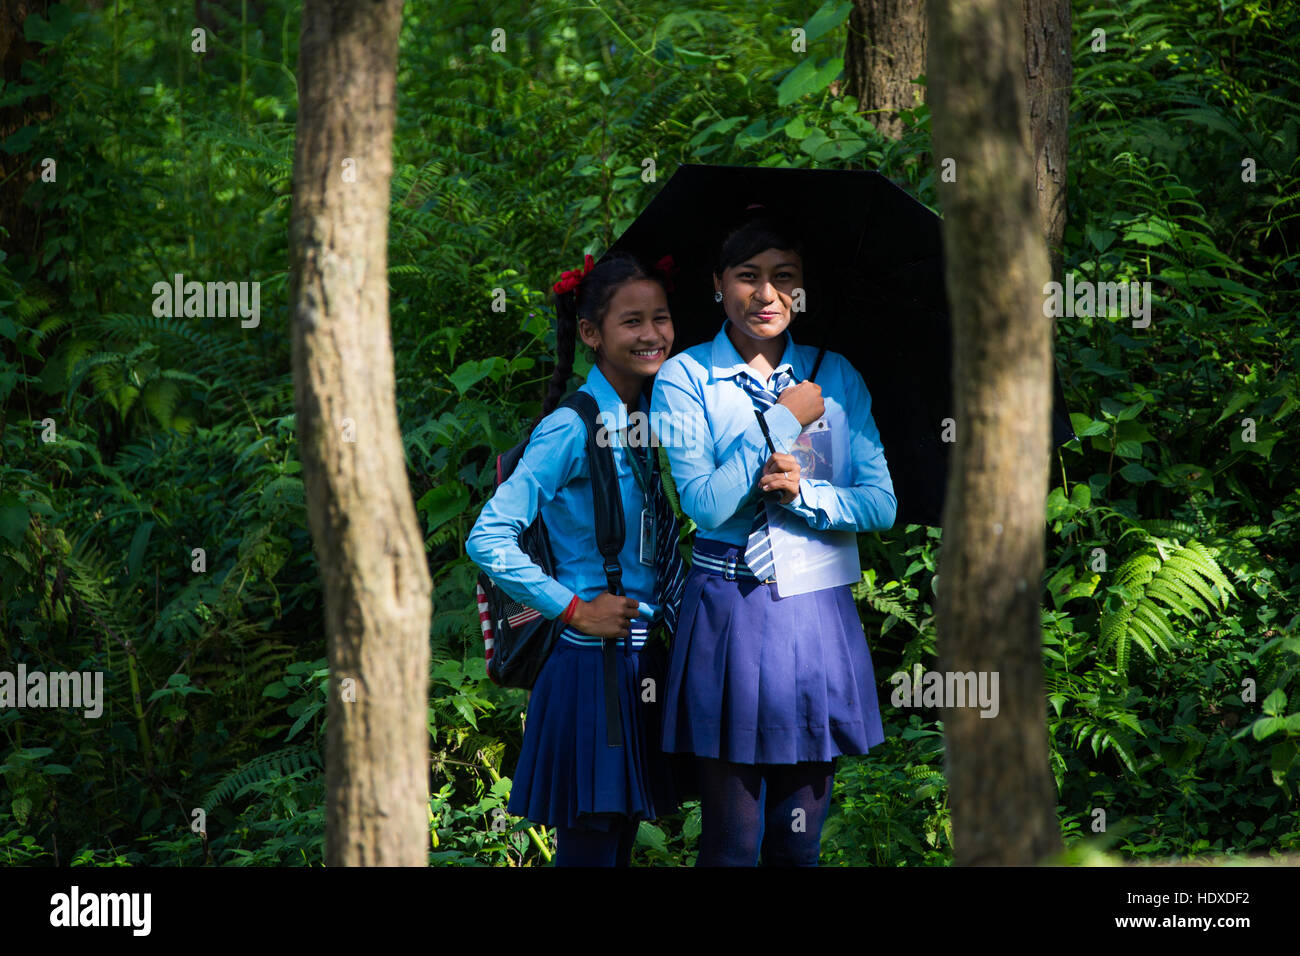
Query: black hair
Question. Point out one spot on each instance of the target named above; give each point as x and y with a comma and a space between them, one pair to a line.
590, 301
756, 230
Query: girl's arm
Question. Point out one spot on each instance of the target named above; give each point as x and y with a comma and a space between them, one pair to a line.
869, 503
712, 495
554, 456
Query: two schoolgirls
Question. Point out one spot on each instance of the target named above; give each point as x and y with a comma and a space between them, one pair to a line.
568, 775
768, 690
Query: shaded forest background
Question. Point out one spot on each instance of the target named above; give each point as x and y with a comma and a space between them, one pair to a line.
1173, 670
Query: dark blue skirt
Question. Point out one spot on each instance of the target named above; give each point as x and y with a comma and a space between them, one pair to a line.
568, 775
760, 679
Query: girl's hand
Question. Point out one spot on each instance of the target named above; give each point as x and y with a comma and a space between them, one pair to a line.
805, 401
781, 473
608, 616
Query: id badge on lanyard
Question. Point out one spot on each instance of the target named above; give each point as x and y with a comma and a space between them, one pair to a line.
647, 549
641, 472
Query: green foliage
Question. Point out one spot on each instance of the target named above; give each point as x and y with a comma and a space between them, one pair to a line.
128, 439
1186, 580
891, 807
289, 762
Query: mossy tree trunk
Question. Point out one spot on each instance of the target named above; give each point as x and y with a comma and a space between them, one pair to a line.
886, 51
884, 54
1001, 791
1048, 74
363, 522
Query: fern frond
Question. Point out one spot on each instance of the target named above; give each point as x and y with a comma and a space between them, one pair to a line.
1167, 528
1121, 651
1184, 583
281, 763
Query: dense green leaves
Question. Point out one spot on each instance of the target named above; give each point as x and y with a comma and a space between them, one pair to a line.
152, 520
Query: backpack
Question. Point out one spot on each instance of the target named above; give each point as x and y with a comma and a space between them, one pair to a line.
517, 639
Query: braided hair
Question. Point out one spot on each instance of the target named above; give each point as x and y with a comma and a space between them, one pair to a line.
589, 300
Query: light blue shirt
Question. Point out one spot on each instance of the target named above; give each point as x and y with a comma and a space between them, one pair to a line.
717, 474
553, 477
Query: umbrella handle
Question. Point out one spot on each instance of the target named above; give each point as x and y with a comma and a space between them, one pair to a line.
772, 496
775, 496
817, 364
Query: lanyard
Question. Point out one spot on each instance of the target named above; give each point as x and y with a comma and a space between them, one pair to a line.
640, 468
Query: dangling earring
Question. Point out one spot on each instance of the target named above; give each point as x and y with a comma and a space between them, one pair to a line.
717, 297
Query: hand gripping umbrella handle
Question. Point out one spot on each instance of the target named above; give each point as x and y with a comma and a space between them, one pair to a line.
775, 496
772, 496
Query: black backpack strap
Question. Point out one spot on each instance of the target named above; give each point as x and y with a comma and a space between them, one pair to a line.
610, 529
610, 535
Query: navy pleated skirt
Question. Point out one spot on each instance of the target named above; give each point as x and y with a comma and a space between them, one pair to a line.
755, 678
568, 775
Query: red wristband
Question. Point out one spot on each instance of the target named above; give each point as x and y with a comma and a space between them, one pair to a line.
568, 611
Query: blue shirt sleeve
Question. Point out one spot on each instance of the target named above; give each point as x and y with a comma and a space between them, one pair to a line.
556, 453
712, 483
869, 504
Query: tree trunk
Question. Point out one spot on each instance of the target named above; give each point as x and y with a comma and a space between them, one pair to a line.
886, 50
1048, 74
363, 521
885, 53
1002, 794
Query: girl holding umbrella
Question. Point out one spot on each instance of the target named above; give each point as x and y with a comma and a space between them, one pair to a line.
770, 677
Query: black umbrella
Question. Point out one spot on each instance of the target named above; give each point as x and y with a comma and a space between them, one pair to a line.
873, 268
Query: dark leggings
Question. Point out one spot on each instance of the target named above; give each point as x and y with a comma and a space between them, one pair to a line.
778, 809
588, 847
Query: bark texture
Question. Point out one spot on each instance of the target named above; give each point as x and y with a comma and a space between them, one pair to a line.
886, 50
1048, 74
885, 53
363, 523
1003, 797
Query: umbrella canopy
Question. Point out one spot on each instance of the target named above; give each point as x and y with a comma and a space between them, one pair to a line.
874, 278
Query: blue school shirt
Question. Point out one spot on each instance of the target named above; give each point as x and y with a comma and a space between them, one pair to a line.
553, 476
716, 464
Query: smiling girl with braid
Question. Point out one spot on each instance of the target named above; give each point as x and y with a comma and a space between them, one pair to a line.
568, 777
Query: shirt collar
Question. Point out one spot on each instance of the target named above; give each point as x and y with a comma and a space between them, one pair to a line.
727, 362
607, 399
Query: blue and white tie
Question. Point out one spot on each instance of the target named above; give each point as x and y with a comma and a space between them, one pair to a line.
758, 549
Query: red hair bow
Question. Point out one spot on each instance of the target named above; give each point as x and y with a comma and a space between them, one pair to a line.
569, 280
667, 268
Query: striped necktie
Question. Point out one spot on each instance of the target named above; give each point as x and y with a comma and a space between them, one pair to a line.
758, 549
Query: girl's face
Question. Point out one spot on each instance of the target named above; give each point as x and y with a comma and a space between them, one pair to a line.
758, 294
636, 334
